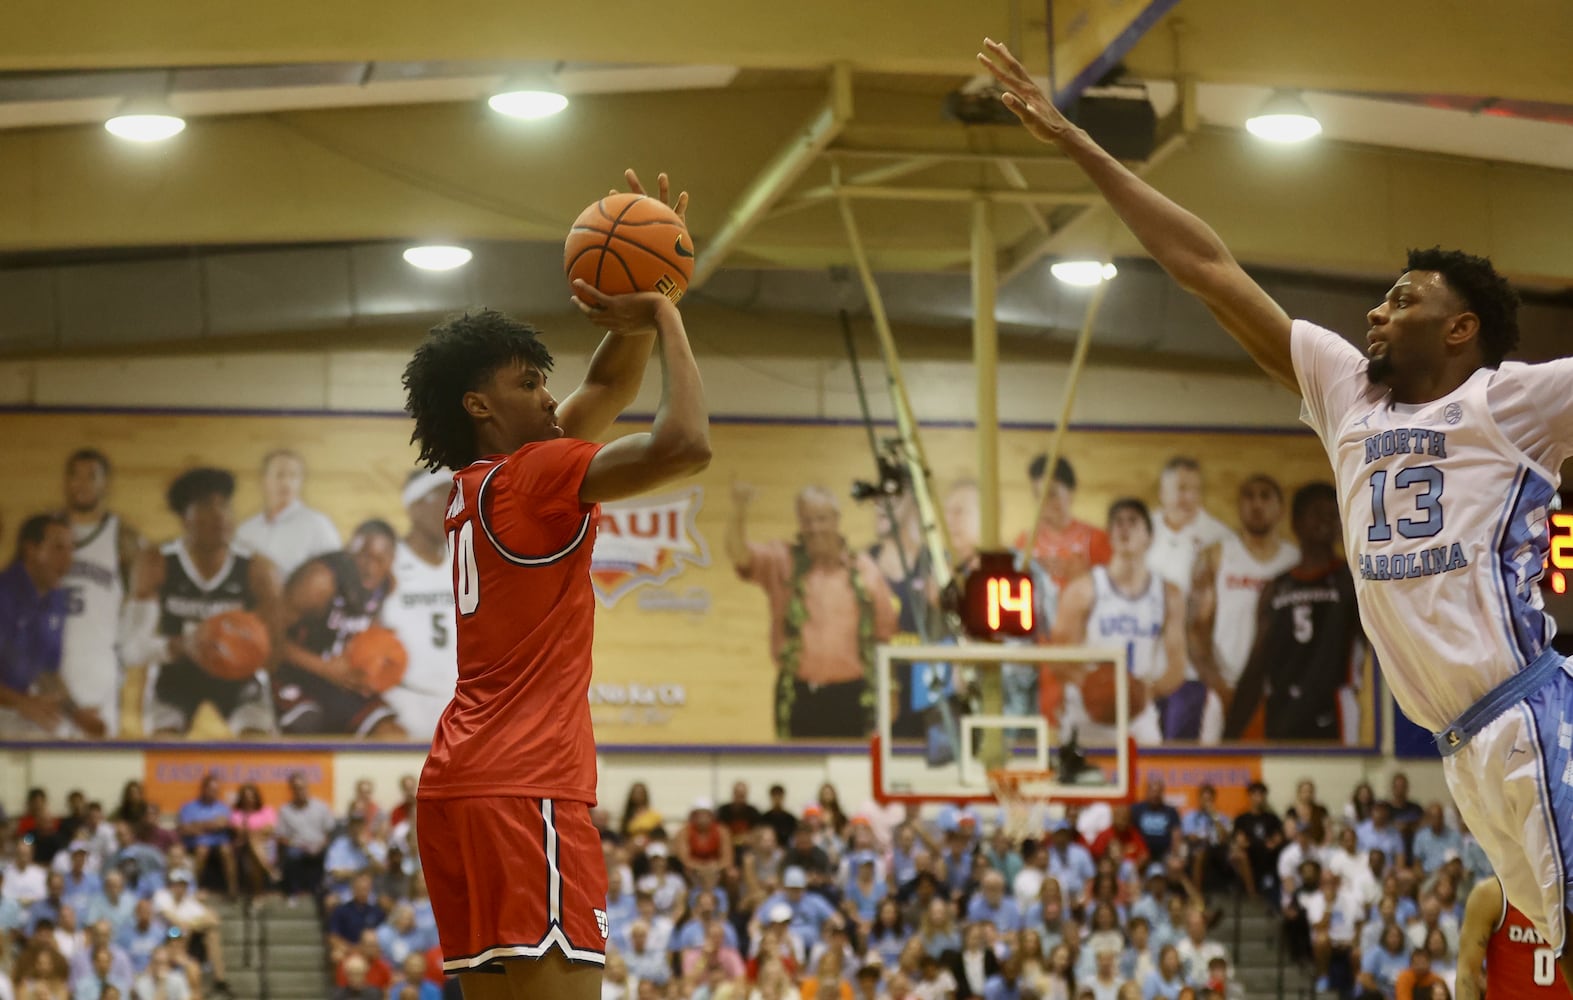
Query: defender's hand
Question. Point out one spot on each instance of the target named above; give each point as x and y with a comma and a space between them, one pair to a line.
1024, 97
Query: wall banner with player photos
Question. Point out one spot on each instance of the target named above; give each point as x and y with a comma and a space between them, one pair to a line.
737, 610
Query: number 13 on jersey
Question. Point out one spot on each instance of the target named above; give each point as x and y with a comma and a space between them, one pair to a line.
1428, 501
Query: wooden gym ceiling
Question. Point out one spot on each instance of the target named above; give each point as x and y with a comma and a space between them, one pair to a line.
309, 164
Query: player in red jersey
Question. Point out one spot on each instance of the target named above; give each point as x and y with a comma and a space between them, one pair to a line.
1517, 960
512, 860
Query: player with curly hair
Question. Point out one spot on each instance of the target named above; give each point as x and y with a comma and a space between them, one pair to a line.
512, 859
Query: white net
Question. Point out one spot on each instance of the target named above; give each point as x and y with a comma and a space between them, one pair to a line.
1024, 802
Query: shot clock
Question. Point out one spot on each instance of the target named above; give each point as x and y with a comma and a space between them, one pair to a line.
999, 601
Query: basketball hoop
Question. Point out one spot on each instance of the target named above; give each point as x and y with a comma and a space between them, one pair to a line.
1023, 795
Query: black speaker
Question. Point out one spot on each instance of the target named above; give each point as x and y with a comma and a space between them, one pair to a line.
1126, 126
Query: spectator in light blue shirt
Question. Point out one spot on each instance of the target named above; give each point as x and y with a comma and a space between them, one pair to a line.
1434, 840
1152, 904
865, 891
1379, 834
12, 916
991, 905
957, 857
1004, 855
140, 938
691, 934
399, 937
203, 825
1476, 865
646, 962
48, 908
91, 986
1380, 968
350, 853
1006, 984
809, 910
1205, 824
121, 965
414, 974
1167, 980
904, 852
81, 886
1069, 862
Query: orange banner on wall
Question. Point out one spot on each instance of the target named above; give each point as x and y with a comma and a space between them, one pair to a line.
173, 777
1183, 775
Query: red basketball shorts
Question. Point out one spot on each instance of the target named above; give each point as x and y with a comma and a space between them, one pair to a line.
513, 878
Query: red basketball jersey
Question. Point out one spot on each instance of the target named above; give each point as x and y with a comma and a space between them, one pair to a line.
520, 540
1518, 962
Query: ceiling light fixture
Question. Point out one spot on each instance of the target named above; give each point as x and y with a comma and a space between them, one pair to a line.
1284, 118
1083, 273
145, 120
437, 257
527, 104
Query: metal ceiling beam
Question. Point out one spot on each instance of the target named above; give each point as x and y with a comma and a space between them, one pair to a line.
967, 194
878, 175
1016, 179
1026, 252
779, 174
953, 155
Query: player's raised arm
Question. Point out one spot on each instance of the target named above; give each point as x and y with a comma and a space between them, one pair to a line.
1182, 244
678, 443
617, 369
1481, 914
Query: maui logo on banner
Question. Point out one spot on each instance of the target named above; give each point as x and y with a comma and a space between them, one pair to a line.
648, 540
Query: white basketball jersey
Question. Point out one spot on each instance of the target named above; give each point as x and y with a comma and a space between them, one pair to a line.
89, 665
1129, 621
1239, 584
1445, 510
420, 611
1174, 552
1132, 622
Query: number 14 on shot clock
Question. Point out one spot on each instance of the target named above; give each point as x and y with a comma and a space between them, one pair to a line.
998, 600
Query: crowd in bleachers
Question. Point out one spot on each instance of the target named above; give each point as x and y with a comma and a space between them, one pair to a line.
766, 901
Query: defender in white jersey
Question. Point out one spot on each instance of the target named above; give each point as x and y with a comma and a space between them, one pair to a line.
106, 549
1227, 583
1446, 462
1124, 605
420, 609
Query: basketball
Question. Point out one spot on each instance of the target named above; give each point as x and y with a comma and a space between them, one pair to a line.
630, 243
232, 645
379, 656
1098, 692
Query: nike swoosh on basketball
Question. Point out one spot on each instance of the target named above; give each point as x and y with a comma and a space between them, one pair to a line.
683, 251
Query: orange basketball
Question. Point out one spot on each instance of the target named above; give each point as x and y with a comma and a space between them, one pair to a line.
630, 243
232, 645
379, 656
1097, 695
